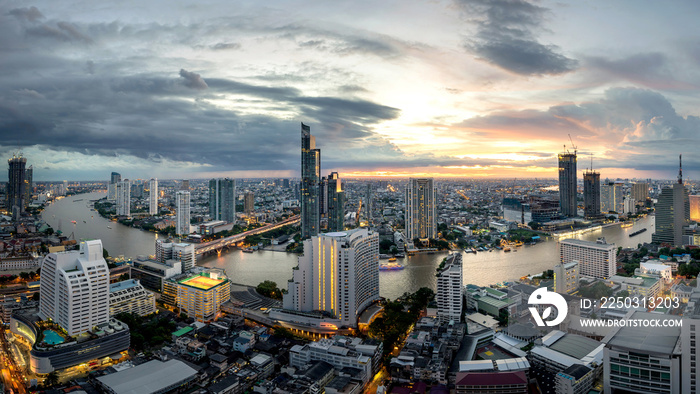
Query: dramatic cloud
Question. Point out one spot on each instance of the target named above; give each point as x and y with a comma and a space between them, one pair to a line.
507, 37
30, 14
193, 80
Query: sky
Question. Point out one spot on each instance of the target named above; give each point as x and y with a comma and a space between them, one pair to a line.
463, 88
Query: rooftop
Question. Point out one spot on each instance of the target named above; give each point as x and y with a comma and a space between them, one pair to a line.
660, 340
149, 377
589, 244
576, 346
123, 285
201, 282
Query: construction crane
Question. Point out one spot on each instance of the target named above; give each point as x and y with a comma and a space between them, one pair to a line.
572, 143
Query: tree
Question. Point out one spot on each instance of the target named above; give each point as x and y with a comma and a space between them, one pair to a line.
35, 296
105, 253
269, 289
51, 379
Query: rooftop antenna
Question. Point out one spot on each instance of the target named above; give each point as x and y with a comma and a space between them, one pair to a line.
680, 168
591, 161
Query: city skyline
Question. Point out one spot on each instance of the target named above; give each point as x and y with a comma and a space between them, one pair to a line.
449, 88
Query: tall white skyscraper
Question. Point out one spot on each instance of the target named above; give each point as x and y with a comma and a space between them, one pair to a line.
595, 259
74, 290
420, 209
449, 289
123, 191
153, 197
338, 273
182, 212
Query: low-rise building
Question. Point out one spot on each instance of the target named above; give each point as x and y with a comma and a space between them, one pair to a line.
154, 376
130, 297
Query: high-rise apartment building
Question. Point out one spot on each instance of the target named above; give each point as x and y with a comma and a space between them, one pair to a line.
222, 199
249, 203
449, 290
123, 196
612, 198
323, 198
74, 289
338, 273
153, 197
595, 259
591, 194
185, 185
15, 190
112, 187
310, 183
640, 192
567, 184
672, 213
421, 214
182, 212
336, 203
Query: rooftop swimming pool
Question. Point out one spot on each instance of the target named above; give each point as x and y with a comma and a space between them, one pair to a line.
51, 337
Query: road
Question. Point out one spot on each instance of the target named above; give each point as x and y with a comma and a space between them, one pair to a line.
12, 377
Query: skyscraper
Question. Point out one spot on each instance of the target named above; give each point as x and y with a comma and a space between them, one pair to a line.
640, 192
449, 290
249, 203
567, 184
612, 198
16, 176
115, 178
323, 198
182, 212
336, 203
421, 214
153, 196
185, 185
310, 183
123, 195
672, 213
222, 199
28, 187
591, 194
74, 289
112, 187
338, 273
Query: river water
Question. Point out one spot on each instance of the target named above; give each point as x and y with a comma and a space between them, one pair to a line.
483, 268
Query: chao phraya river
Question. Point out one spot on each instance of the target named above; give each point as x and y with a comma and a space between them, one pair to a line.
483, 268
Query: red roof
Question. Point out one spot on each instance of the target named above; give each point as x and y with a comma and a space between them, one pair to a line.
491, 378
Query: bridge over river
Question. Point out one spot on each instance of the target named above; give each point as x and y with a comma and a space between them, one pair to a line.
218, 244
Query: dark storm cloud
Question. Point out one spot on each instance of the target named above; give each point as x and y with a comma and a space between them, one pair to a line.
31, 14
193, 80
506, 37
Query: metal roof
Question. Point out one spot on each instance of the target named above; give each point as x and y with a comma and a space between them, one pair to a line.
149, 377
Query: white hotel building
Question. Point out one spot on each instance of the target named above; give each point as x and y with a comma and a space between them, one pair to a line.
338, 273
75, 288
595, 259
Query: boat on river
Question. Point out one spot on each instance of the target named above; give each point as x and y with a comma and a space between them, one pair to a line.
390, 267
